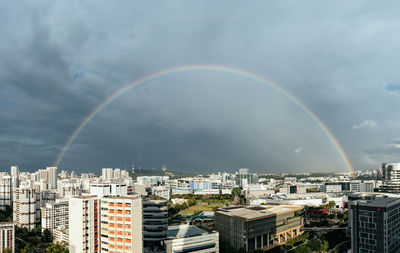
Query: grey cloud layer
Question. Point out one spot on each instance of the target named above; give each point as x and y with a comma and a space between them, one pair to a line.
59, 60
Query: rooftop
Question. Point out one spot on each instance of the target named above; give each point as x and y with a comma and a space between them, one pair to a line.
181, 231
256, 213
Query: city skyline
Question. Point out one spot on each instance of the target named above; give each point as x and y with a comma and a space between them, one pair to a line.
59, 63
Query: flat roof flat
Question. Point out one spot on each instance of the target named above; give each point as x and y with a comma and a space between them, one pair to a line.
256, 213
184, 231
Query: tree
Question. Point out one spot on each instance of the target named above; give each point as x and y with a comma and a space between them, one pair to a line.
47, 237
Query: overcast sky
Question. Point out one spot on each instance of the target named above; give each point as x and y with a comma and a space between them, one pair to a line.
60, 59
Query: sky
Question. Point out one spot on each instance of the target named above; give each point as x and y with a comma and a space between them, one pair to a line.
59, 60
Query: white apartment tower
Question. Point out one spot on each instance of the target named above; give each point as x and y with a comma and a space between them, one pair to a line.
7, 236
26, 207
121, 224
84, 224
5, 191
52, 177
55, 214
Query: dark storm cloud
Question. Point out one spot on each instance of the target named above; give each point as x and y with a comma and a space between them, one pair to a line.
59, 60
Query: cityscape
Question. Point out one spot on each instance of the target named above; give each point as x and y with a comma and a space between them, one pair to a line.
199, 126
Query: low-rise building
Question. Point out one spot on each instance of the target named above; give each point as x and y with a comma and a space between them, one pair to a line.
263, 227
186, 238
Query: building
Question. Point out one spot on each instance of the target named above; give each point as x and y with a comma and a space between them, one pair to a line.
107, 189
61, 234
335, 186
155, 223
5, 192
55, 214
244, 178
374, 223
391, 172
52, 177
26, 207
121, 224
254, 228
186, 238
362, 186
84, 224
7, 236
107, 173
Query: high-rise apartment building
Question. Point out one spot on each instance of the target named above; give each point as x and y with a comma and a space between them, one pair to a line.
84, 224
52, 177
26, 207
107, 173
5, 191
55, 214
121, 224
7, 236
374, 222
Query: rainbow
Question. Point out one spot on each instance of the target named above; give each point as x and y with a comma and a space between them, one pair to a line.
214, 68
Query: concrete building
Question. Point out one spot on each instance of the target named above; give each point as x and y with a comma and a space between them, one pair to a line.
107, 189
362, 186
121, 224
7, 236
52, 177
155, 223
374, 223
243, 178
186, 238
26, 208
391, 172
5, 191
107, 173
254, 228
61, 234
55, 214
84, 224
335, 186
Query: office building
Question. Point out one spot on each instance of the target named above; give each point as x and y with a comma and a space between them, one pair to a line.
26, 208
55, 214
374, 223
362, 186
243, 178
254, 228
155, 222
186, 238
335, 187
7, 236
121, 224
84, 224
391, 172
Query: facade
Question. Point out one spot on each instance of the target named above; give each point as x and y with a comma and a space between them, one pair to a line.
186, 238
121, 224
335, 186
155, 223
55, 214
391, 172
7, 236
254, 228
26, 208
61, 234
5, 192
107, 189
84, 224
52, 177
362, 186
244, 178
374, 224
